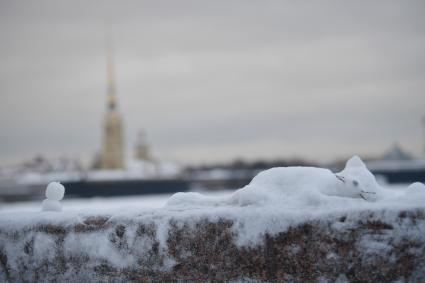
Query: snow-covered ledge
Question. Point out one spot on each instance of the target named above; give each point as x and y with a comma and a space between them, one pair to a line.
290, 224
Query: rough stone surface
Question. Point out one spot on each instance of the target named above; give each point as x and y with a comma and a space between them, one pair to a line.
366, 250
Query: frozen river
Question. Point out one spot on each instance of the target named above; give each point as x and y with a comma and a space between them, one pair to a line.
100, 204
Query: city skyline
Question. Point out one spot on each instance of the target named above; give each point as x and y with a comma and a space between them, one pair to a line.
216, 82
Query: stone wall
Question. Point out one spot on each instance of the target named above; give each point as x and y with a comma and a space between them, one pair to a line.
104, 249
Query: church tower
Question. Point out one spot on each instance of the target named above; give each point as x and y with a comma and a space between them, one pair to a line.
112, 155
142, 148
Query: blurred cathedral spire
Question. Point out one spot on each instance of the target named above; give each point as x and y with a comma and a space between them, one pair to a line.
142, 147
112, 155
111, 91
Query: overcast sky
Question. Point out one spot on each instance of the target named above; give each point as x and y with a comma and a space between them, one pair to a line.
214, 80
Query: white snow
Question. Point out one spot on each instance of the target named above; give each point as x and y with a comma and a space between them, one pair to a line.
54, 193
303, 186
275, 199
51, 205
97, 205
416, 188
279, 197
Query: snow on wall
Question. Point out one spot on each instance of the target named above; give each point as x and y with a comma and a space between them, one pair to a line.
288, 224
359, 246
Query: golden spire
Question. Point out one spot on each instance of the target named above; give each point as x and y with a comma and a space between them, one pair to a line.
112, 100
112, 156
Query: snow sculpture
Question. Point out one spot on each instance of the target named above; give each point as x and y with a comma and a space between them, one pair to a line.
54, 193
355, 181
296, 186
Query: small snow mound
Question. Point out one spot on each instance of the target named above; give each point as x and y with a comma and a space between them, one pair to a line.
416, 188
55, 191
194, 199
185, 198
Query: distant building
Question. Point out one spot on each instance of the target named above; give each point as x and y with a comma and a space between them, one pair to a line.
142, 150
112, 154
396, 153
